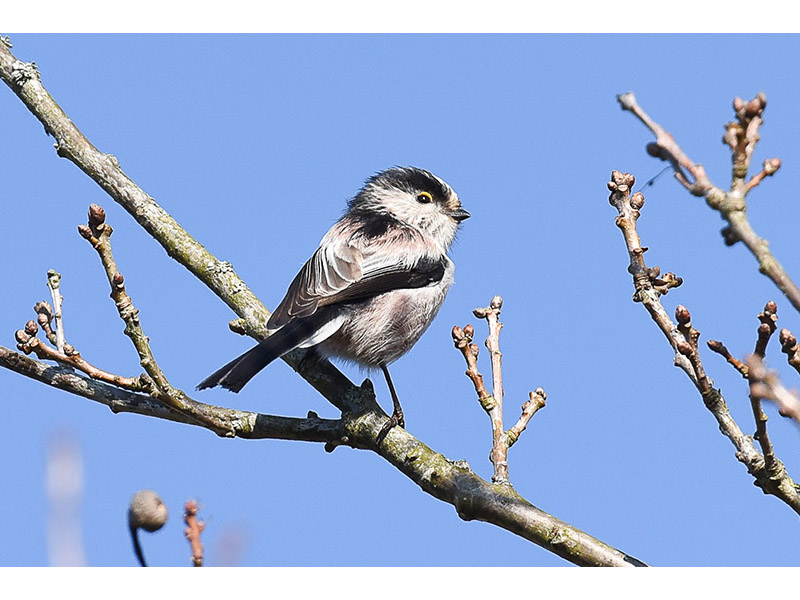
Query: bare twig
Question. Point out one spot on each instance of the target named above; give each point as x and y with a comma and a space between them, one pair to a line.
536, 401
742, 137
722, 350
493, 403
684, 337
499, 453
27, 342
54, 285
768, 324
98, 234
194, 528
462, 338
769, 167
768, 319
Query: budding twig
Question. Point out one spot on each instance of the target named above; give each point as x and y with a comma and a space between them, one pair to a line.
27, 342
98, 234
768, 319
493, 403
722, 350
193, 530
741, 136
684, 339
769, 167
54, 285
790, 348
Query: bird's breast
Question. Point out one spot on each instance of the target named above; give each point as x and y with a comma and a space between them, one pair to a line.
380, 330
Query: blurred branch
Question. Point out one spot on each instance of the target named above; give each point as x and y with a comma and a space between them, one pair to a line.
194, 528
362, 418
766, 384
683, 337
741, 136
65, 484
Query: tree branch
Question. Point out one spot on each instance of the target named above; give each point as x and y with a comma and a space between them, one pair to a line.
683, 337
742, 137
362, 418
248, 425
493, 403
23, 79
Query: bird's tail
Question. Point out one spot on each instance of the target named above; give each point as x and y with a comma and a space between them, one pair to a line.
242, 369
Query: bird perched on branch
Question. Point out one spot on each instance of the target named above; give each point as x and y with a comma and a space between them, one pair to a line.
372, 287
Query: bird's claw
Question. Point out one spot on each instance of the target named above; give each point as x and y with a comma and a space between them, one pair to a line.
395, 420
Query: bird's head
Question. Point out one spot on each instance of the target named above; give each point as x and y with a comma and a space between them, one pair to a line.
414, 197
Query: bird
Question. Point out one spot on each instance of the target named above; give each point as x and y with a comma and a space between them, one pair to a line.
372, 287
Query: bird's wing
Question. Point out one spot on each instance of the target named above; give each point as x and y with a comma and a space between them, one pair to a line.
339, 273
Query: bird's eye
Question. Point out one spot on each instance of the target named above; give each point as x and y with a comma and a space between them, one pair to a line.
424, 198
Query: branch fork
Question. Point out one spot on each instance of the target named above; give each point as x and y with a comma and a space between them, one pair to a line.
767, 471
492, 403
741, 136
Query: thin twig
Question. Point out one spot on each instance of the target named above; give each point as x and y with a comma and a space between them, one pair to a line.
768, 319
742, 137
684, 337
723, 351
536, 401
499, 453
493, 403
54, 285
462, 338
194, 528
98, 234
27, 342
768, 324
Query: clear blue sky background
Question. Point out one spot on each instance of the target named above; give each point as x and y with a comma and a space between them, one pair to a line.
254, 143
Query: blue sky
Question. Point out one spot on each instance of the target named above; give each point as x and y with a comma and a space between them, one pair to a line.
254, 143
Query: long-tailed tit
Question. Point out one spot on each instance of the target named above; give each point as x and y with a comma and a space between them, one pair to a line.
374, 284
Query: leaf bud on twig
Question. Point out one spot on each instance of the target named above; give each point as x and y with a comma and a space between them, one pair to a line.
682, 315
97, 216
31, 328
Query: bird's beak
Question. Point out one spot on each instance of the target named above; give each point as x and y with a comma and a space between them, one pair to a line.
459, 215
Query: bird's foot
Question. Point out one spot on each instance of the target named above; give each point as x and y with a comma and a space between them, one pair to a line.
395, 420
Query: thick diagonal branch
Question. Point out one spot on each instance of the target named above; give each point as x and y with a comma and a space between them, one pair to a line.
217, 275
